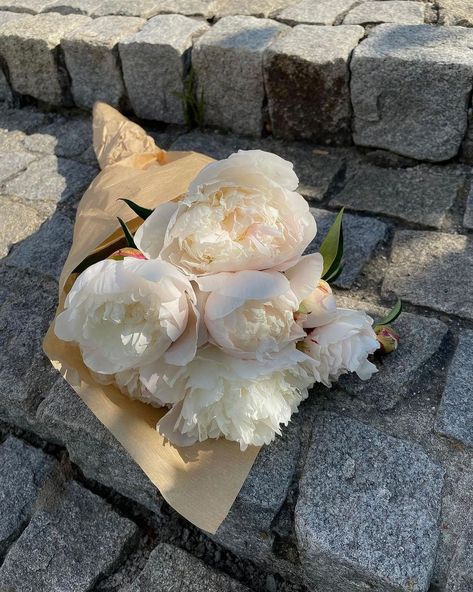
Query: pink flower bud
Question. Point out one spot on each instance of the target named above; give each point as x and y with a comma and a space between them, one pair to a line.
388, 338
126, 252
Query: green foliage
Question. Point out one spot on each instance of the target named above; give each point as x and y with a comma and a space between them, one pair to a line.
193, 104
331, 250
129, 237
392, 315
143, 213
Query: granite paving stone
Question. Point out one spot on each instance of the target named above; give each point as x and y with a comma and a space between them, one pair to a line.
155, 62
460, 575
25, 120
29, 47
17, 222
25, 6
67, 137
12, 163
455, 12
455, 414
402, 12
368, 510
23, 470
307, 82
86, 7
212, 143
141, 8
316, 12
5, 89
50, 179
234, 46
73, 538
202, 8
168, 565
91, 54
433, 67
421, 194
258, 8
428, 269
362, 237
468, 217
401, 372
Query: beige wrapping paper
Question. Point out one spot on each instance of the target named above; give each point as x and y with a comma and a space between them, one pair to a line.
202, 481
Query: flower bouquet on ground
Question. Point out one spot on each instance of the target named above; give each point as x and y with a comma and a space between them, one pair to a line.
190, 321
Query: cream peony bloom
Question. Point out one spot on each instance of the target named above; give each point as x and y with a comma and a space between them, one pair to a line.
342, 346
241, 400
250, 314
319, 308
241, 213
126, 314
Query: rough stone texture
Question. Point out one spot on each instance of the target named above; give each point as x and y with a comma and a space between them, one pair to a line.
142, 8
430, 269
5, 89
12, 163
30, 47
401, 12
316, 12
50, 179
17, 222
421, 194
25, 6
27, 304
259, 8
23, 470
86, 7
63, 137
212, 143
155, 62
468, 218
460, 577
168, 567
91, 54
307, 82
402, 371
362, 237
455, 414
19, 120
228, 63
72, 539
368, 509
456, 12
433, 67
203, 8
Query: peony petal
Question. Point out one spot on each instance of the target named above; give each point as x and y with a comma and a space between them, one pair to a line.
305, 275
183, 350
166, 426
149, 238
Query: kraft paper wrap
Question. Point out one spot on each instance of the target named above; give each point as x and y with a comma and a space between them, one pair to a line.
202, 481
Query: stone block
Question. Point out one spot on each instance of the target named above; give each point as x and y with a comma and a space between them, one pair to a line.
23, 470
51, 180
73, 538
368, 510
422, 194
30, 48
410, 87
91, 54
455, 12
12, 163
401, 12
455, 414
25, 120
5, 89
17, 222
258, 8
86, 7
429, 269
141, 8
168, 565
155, 62
228, 62
25, 6
203, 8
460, 576
67, 137
316, 12
307, 83
468, 217
362, 237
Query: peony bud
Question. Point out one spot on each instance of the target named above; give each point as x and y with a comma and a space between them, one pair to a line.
387, 337
126, 252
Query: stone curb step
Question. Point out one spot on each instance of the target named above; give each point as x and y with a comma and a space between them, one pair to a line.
402, 86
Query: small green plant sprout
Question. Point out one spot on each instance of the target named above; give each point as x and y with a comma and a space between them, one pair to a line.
193, 104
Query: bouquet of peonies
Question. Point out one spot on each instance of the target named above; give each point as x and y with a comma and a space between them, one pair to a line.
186, 288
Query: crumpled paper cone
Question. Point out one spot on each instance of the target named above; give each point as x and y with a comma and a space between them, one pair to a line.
202, 481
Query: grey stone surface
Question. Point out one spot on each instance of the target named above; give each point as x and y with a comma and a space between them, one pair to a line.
228, 63
30, 49
401, 12
460, 576
72, 539
17, 222
67, 137
12, 163
155, 62
141, 8
203, 8
316, 12
91, 54
23, 470
428, 269
86, 7
456, 12
50, 179
20, 120
468, 217
67, 420
307, 83
25, 6
368, 510
212, 143
5, 89
455, 414
401, 372
361, 238
27, 304
433, 67
259, 8
168, 567
421, 194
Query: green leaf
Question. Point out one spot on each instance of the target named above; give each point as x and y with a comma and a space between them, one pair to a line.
331, 248
392, 314
334, 275
129, 237
139, 210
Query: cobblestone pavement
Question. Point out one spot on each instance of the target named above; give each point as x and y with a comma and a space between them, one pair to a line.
371, 486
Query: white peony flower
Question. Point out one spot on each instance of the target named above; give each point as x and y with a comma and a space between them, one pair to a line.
241, 213
319, 308
126, 314
250, 314
241, 400
342, 346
